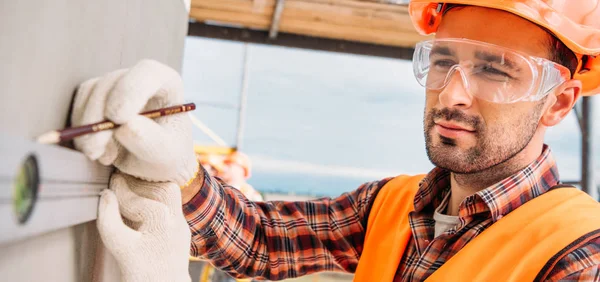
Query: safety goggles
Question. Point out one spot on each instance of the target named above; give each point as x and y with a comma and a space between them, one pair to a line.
489, 72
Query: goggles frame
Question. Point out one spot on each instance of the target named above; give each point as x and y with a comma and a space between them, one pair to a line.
546, 74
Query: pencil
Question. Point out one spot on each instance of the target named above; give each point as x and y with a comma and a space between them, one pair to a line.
57, 136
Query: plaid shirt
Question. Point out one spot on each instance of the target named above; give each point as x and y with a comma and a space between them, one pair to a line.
277, 240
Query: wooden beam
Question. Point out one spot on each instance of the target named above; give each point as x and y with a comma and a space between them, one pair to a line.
348, 16
363, 4
349, 20
298, 41
254, 21
349, 33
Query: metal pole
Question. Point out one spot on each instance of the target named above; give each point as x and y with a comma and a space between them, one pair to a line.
276, 18
243, 98
587, 154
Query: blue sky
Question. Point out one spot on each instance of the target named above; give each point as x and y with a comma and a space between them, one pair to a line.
313, 113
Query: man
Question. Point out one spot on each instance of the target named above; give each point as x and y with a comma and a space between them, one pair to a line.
236, 171
497, 75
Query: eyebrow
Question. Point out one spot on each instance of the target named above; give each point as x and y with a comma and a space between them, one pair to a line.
441, 50
494, 58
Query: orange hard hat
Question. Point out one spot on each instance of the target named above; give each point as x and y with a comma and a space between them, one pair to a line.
575, 23
240, 159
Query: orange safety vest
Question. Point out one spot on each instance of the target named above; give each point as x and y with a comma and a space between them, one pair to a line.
515, 248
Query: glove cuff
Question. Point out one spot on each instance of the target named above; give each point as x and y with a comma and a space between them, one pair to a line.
189, 182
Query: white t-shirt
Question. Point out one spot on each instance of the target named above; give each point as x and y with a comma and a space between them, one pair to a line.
444, 222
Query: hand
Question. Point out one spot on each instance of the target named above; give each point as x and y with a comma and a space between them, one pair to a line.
156, 245
158, 149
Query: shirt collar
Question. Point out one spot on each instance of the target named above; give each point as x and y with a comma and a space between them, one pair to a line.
499, 199
432, 189
512, 192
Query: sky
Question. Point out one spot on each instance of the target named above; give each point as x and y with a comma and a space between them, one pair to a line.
322, 123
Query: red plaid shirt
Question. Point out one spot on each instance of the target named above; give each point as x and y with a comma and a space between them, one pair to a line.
277, 240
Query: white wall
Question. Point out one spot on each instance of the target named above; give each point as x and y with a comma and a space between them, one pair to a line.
46, 49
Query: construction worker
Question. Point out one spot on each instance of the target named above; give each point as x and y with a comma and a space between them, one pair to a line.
236, 171
497, 75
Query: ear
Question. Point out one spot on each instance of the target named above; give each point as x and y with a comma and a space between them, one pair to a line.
561, 102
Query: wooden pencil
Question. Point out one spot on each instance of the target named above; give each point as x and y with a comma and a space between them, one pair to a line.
57, 136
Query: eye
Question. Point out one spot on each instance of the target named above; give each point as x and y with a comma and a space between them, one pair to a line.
492, 70
493, 73
442, 63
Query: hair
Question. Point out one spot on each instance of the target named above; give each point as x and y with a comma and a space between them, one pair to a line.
561, 54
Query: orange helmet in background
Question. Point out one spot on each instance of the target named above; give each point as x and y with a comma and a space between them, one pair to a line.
206, 157
240, 159
575, 23
212, 160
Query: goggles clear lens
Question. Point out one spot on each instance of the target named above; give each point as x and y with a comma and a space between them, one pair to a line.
489, 72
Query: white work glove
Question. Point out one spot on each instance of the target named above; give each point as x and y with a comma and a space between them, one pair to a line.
156, 245
158, 149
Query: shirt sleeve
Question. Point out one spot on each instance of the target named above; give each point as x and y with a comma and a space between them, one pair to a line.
591, 273
278, 240
580, 264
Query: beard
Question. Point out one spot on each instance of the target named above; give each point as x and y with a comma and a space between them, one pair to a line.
493, 146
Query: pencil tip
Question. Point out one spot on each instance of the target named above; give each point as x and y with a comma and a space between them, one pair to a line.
51, 137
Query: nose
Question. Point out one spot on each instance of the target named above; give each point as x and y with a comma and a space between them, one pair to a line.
455, 94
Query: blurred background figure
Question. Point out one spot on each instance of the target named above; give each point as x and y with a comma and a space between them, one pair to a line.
236, 171
213, 163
